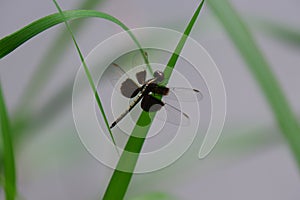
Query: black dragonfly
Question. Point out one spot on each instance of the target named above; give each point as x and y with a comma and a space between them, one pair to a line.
146, 91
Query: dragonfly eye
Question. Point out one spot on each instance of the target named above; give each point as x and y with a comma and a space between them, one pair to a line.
159, 75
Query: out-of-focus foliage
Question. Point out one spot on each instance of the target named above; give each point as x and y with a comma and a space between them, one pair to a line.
246, 45
8, 155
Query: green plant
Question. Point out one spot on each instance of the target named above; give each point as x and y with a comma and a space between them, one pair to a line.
120, 180
245, 43
117, 188
9, 158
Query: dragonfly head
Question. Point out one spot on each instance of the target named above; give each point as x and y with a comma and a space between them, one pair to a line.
159, 76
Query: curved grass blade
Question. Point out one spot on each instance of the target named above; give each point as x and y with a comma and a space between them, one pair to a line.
245, 43
16, 39
120, 180
49, 61
8, 152
89, 76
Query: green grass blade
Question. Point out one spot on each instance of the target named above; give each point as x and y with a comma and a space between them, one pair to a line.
8, 152
171, 64
246, 45
120, 180
16, 39
49, 62
89, 76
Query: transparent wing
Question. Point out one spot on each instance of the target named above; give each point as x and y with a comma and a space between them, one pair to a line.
170, 113
174, 115
184, 94
115, 72
138, 58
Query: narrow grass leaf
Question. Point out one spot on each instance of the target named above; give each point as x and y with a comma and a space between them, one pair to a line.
89, 76
247, 47
48, 62
9, 43
8, 152
16, 39
120, 180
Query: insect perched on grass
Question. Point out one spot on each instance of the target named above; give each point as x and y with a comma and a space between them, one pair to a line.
146, 91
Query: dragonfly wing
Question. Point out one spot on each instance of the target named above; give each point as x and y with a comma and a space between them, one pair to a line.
141, 77
173, 115
114, 72
139, 59
184, 94
129, 88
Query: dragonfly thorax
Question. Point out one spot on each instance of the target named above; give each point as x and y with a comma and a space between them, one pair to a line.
159, 76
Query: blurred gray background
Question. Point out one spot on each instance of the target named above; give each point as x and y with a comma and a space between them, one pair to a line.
53, 164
